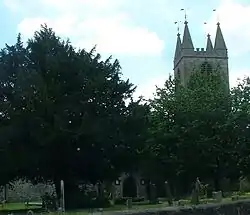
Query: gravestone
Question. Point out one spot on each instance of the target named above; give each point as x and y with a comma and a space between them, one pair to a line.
244, 184
217, 196
168, 193
196, 192
153, 197
100, 190
62, 196
129, 203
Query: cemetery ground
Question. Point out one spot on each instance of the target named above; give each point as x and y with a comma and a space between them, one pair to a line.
143, 205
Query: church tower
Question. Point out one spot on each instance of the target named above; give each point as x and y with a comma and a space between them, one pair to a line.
187, 59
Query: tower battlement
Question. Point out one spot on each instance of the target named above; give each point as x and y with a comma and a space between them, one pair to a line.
199, 52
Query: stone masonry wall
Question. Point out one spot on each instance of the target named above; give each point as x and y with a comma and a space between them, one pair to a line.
233, 208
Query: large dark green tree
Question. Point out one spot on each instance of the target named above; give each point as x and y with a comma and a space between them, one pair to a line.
64, 113
239, 124
189, 129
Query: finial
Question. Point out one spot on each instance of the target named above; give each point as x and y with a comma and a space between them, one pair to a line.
208, 35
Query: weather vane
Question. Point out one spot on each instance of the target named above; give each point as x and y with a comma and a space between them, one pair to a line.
217, 15
178, 26
185, 12
206, 30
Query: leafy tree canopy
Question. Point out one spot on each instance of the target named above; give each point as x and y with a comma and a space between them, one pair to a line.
64, 112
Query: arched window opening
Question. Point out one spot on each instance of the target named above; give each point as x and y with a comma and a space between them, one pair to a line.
206, 68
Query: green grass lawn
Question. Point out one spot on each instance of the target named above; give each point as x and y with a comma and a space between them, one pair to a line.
136, 206
16, 206
119, 208
21, 206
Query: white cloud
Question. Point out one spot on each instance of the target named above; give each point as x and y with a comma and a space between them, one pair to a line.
235, 23
89, 23
148, 89
110, 36
29, 26
237, 75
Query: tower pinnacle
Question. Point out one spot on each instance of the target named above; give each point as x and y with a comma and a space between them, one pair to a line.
209, 48
187, 42
219, 40
178, 47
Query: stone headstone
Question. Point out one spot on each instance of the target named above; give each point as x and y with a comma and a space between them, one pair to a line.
196, 192
62, 196
235, 198
194, 197
168, 193
100, 190
217, 196
244, 184
129, 203
209, 191
153, 197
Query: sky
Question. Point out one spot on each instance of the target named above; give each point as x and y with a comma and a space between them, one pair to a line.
140, 33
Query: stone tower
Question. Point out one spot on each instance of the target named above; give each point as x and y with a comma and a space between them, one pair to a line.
186, 58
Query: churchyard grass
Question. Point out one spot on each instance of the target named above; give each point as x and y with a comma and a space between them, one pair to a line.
136, 206
16, 206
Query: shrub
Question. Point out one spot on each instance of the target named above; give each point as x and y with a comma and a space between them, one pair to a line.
22, 190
